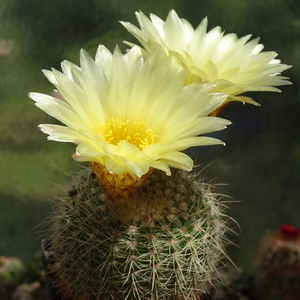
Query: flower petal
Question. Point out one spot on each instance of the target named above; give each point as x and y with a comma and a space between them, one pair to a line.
235, 65
130, 114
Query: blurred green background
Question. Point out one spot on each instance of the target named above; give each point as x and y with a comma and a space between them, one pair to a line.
260, 163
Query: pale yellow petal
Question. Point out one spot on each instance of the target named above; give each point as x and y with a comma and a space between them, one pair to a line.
236, 65
130, 114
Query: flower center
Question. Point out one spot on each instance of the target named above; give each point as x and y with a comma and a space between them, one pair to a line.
136, 133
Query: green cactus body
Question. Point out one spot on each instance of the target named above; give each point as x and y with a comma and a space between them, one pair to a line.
166, 242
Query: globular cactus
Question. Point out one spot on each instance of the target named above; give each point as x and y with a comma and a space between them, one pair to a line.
164, 242
278, 272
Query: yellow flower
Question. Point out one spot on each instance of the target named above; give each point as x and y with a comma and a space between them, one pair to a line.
128, 115
235, 65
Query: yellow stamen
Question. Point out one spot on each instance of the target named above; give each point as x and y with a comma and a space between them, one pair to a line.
134, 132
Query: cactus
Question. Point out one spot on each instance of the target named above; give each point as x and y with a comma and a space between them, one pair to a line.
165, 242
126, 231
278, 272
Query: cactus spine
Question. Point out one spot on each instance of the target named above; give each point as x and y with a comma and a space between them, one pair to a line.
165, 242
